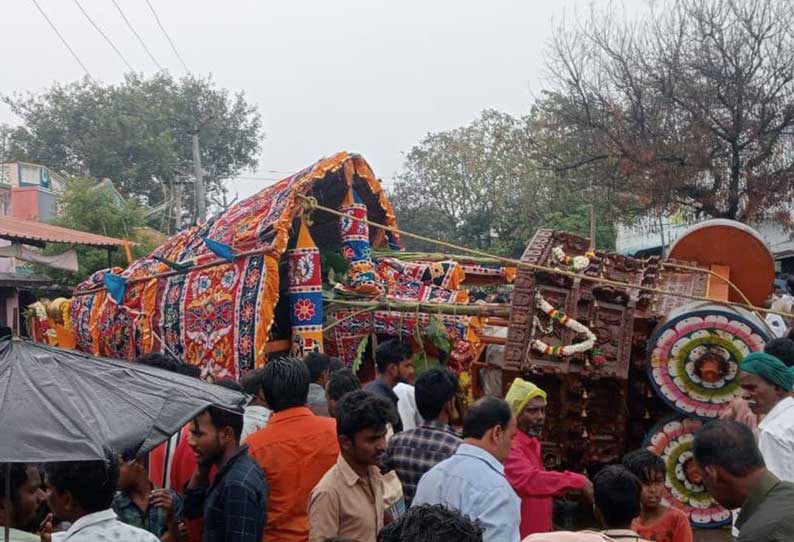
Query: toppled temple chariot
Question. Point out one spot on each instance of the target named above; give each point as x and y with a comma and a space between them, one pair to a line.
663, 339
315, 262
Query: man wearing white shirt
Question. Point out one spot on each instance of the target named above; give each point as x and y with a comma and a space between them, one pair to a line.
406, 406
767, 381
256, 414
81, 492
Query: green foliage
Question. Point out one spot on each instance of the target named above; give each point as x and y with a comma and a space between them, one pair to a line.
360, 349
437, 334
422, 362
461, 185
138, 132
87, 206
332, 260
479, 186
578, 221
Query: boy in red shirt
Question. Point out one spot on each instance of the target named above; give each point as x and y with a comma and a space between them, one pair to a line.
657, 521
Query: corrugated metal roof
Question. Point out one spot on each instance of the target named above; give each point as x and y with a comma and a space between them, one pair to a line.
15, 229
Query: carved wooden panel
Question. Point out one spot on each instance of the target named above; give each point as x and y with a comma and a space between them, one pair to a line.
600, 399
523, 307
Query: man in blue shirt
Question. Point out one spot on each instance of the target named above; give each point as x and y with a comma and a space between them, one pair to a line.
394, 365
473, 480
234, 506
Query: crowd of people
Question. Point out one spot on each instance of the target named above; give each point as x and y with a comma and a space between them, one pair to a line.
316, 458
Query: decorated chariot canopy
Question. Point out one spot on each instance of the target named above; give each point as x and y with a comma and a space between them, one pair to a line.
267, 274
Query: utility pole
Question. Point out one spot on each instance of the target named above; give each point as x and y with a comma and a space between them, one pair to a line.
201, 202
592, 218
178, 185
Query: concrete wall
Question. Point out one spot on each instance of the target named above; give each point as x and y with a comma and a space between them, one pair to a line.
9, 174
48, 206
25, 203
647, 236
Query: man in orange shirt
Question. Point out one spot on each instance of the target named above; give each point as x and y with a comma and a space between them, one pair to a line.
295, 449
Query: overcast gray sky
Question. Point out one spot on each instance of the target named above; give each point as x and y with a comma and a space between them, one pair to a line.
371, 76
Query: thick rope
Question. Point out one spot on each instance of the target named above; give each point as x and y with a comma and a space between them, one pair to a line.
311, 203
349, 317
717, 275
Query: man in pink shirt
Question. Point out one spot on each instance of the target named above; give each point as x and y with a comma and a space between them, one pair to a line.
524, 467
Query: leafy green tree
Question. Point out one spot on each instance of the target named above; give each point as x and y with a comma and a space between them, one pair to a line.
479, 186
139, 132
460, 185
91, 207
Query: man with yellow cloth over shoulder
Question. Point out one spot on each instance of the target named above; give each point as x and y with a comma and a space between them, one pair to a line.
524, 467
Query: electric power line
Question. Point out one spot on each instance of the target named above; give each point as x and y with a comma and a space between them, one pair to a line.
107, 39
170, 41
140, 39
63, 40
255, 178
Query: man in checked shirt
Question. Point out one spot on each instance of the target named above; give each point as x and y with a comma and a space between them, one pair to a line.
414, 452
234, 507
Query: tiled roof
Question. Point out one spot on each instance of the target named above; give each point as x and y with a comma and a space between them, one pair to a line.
15, 229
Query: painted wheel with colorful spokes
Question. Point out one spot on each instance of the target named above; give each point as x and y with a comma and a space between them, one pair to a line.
672, 440
694, 357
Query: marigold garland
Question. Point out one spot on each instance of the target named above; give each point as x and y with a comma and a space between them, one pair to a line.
576, 263
570, 323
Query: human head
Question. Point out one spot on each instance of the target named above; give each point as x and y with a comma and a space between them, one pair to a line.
133, 468
341, 382
361, 419
215, 434
726, 453
435, 393
230, 384
160, 361
335, 365
782, 349
79, 488
528, 403
19, 509
765, 380
432, 523
252, 385
490, 425
186, 369
168, 363
616, 495
285, 383
393, 361
319, 367
650, 471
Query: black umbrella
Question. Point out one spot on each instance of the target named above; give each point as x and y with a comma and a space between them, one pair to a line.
63, 405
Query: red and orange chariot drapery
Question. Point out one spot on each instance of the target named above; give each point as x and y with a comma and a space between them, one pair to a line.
218, 317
